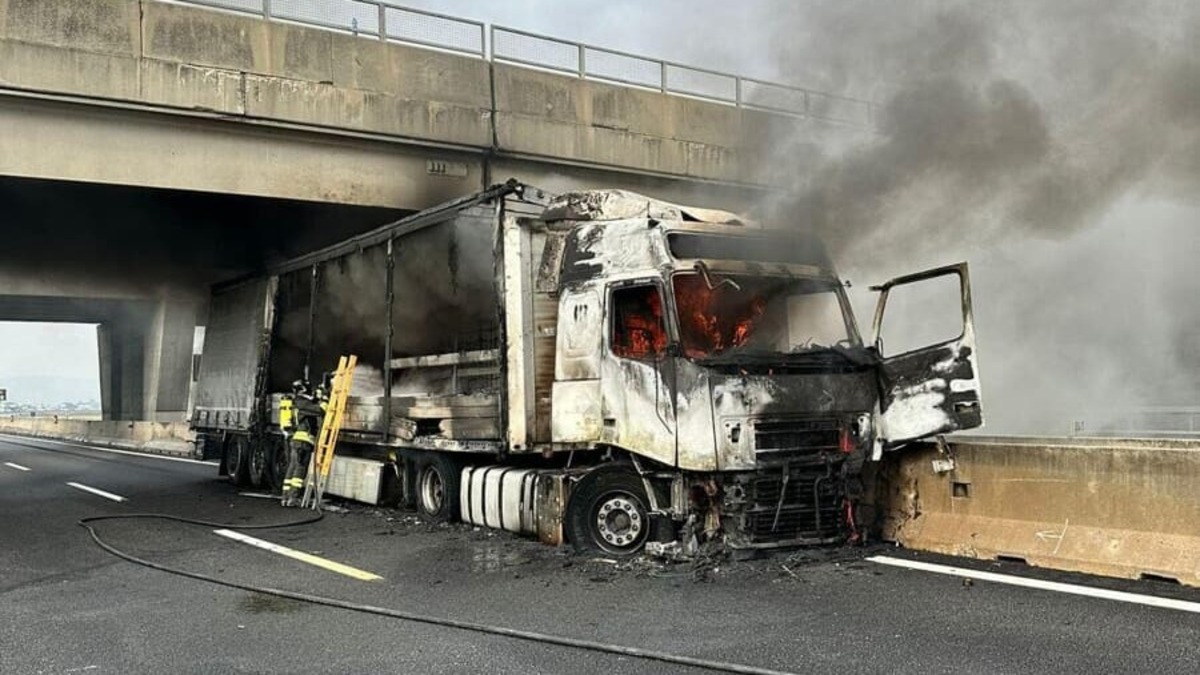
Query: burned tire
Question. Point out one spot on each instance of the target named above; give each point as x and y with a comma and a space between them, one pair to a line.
608, 513
237, 460
436, 487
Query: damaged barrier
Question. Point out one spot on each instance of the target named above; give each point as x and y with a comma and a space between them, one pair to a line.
166, 438
1115, 507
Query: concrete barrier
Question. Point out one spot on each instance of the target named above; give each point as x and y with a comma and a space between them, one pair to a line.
164, 438
1114, 507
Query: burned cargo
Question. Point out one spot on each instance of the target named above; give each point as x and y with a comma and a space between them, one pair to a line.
599, 367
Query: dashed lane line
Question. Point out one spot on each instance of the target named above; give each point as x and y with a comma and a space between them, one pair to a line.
18, 467
97, 491
301, 556
1026, 582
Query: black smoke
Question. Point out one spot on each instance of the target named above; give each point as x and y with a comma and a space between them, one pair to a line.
1055, 145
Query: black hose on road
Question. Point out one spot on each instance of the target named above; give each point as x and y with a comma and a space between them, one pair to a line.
531, 636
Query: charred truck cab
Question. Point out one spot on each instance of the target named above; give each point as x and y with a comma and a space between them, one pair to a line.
725, 360
598, 367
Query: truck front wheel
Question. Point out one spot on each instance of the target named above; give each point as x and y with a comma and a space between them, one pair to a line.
608, 513
437, 484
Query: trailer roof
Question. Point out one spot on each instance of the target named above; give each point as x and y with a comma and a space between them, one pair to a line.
406, 225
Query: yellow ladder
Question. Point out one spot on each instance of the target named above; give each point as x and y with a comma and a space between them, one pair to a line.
322, 457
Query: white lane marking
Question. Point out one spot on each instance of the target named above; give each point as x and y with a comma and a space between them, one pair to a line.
115, 451
18, 467
97, 491
301, 556
1073, 589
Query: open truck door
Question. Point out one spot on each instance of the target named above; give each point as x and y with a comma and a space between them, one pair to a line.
926, 388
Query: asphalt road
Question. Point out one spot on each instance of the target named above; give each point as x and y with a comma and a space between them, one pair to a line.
67, 606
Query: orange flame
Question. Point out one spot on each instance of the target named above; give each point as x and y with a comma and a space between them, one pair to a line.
713, 320
640, 331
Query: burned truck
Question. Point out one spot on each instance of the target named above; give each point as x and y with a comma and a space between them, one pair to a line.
598, 367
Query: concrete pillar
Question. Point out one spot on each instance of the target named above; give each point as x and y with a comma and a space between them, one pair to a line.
122, 368
169, 360
146, 361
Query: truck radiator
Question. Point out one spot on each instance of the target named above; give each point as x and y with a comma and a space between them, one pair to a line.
804, 508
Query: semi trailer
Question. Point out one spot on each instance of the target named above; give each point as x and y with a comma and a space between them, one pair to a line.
597, 367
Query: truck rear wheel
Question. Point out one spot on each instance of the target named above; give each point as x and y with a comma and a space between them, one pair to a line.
257, 463
437, 484
277, 463
237, 460
608, 513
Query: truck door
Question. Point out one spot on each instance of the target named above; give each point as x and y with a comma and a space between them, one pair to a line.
927, 388
637, 373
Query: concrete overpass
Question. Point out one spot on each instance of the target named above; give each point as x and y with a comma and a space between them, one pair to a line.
140, 92
150, 148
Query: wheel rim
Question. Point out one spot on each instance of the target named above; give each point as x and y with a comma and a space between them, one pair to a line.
433, 491
619, 522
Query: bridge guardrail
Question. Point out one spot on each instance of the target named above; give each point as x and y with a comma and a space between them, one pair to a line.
395, 23
1153, 421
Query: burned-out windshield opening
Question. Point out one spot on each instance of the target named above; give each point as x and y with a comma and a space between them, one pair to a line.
728, 315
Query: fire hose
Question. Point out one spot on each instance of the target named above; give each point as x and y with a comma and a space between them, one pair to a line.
514, 633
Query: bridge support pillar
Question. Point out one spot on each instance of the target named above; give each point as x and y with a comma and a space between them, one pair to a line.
146, 361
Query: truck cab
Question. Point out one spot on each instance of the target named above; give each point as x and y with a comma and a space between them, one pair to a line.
725, 359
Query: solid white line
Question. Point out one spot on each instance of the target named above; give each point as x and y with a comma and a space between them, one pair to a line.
1026, 582
300, 555
18, 467
115, 451
96, 491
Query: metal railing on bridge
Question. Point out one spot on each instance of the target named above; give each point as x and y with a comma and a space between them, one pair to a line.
394, 23
1148, 421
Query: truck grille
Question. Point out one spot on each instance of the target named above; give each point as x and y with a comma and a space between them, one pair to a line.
811, 505
789, 439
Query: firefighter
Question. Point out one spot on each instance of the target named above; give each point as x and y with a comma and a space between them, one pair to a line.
305, 413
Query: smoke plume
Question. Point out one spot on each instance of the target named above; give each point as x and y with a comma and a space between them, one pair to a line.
1052, 144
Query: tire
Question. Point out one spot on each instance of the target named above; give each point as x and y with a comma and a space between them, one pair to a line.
257, 463
608, 513
277, 463
237, 460
436, 487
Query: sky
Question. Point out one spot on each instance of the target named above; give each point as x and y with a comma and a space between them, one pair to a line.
44, 363
724, 36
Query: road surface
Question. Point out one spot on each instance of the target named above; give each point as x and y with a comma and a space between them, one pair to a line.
67, 606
